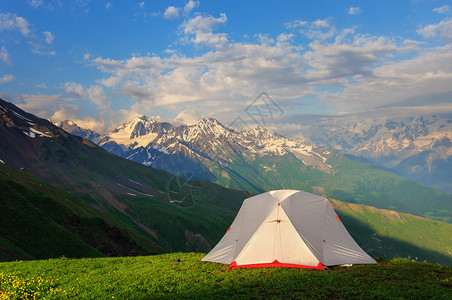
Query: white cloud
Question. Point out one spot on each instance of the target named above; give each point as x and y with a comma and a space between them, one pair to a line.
171, 12
188, 117
346, 70
59, 108
66, 112
420, 80
200, 29
35, 3
443, 29
4, 55
318, 30
41, 105
48, 37
96, 124
6, 78
190, 6
9, 21
97, 96
107, 5
74, 89
111, 81
442, 10
141, 4
354, 10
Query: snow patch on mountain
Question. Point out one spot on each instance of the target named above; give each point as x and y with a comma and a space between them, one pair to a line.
33, 132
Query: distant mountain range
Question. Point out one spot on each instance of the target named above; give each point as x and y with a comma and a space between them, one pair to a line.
417, 148
259, 160
89, 202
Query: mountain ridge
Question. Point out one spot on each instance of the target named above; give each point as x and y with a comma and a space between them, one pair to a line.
418, 148
188, 215
260, 160
140, 198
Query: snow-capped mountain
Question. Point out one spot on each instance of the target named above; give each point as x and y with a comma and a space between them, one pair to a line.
418, 148
259, 160
73, 128
190, 150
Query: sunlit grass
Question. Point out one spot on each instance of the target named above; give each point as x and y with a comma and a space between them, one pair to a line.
157, 277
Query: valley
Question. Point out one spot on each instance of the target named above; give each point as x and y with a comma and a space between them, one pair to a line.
103, 205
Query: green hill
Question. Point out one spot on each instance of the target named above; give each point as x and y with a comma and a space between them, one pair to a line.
386, 233
347, 181
39, 221
89, 202
162, 277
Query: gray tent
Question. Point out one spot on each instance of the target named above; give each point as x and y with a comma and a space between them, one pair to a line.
287, 228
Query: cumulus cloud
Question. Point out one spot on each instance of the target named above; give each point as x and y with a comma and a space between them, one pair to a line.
97, 96
6, 78
4, 55
346, 70
9, 21
189, 6
354, 10
442, 10
48, 37
74, 89
43, 106
199, 30
111, 81
443, 30
141, 4
171, 12
96, 124
66, 112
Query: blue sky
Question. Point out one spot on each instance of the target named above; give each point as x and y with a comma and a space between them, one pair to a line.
102, 63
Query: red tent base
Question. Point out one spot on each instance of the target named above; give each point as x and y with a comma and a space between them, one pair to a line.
275, 264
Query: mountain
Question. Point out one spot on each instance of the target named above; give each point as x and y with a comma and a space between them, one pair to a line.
156, 209
417, 148
259, 160
106, 205
78, 131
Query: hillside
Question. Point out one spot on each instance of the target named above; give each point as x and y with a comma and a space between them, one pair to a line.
153, 203
39, 221
162, 277
259, 160
159, 212
386, 233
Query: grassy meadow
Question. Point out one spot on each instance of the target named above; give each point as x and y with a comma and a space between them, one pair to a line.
162, 276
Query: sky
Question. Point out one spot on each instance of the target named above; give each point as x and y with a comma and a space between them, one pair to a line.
102, 63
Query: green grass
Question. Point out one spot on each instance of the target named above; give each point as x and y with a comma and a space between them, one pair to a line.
386, 233
156, 277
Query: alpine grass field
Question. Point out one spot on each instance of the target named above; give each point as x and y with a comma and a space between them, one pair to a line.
163, 276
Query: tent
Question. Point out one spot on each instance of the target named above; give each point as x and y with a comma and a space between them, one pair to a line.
287, 228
